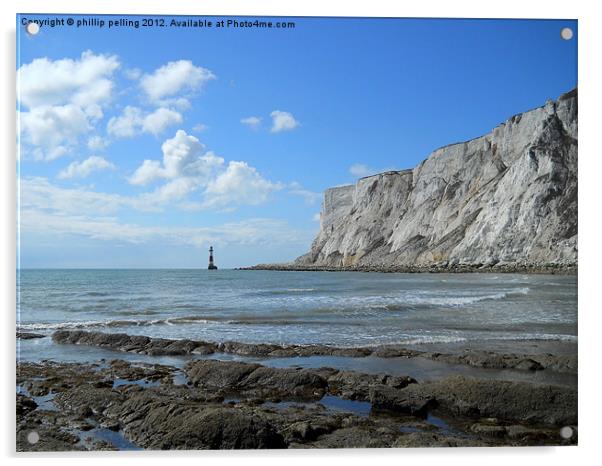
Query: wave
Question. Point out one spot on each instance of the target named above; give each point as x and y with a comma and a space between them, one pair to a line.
426, 339
540, 336
117, 323
403, 301
284, 292
456, 301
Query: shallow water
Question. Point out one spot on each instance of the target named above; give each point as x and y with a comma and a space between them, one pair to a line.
334, 308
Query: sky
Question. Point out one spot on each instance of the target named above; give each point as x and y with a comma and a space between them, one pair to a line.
141, 147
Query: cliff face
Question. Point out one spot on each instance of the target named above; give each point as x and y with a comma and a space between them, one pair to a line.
509, 197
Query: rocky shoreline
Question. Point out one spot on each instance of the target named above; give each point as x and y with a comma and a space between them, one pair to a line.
213, 404
166, 347
553, 269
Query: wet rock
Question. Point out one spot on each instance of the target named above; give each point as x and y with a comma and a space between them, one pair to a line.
81, 425
110, 425
29, 336
103, 384
204, 349
528, 364
290, 383
521, 401
25, 404
352, 352
161, 424
247, 349
488, 430
138, 372
491, 360
307, 431
166, 347
400, 401
356, 437
168, 416
254, 379
518, 432
212, 374
87, 397
356, 386
83, 412
395, 352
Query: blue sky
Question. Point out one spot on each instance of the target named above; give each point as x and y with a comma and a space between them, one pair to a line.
142, 147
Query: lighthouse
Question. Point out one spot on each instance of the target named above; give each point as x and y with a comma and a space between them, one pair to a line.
212, 266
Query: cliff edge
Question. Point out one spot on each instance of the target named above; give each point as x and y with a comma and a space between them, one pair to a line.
508, 198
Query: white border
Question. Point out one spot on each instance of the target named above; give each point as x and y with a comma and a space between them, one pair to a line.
590, 79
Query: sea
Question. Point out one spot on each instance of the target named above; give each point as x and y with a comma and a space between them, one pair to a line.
332, 308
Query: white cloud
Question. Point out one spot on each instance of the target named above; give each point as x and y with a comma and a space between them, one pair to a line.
252, 122
39, 193
200, 127
133, 121
127, 124
63, 98
46, 210
53, 130
132, 74
156, 122
149, 171
310, 197
86, 82
282, 121
239, 184
85, 168
174, 77
184, 156
97, 143
255, 231
187, 167
316, 217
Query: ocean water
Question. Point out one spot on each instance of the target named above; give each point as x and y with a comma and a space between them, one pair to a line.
334, 308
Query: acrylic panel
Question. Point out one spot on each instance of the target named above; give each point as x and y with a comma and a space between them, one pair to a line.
301, 232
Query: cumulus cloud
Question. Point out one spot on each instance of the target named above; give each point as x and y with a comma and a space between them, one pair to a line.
86, 82
239, 184
63, 98
127, 124
85, 168
282, 121
184, 156
173, 78
187, 167
157, 121
133, 121
252, 122
53, 129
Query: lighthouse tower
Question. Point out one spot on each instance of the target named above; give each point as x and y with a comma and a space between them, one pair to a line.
212, 266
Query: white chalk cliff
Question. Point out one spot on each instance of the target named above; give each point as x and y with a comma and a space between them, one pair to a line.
509, 197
